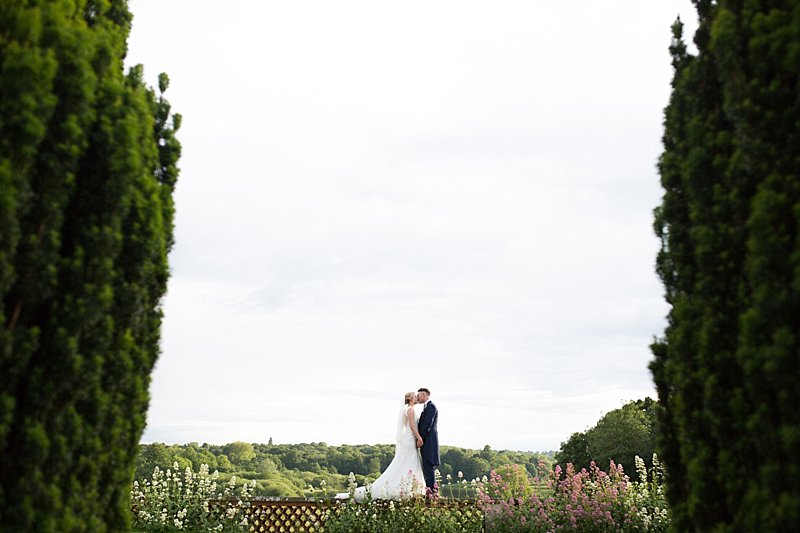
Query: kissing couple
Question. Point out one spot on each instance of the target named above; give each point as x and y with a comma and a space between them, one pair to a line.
416, 453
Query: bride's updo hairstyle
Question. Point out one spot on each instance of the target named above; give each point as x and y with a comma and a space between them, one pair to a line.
408, 397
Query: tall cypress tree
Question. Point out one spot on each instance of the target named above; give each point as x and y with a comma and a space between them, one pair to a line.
728, 364
87, 169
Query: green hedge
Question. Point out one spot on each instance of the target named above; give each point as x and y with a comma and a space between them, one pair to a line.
87, 169
727, 367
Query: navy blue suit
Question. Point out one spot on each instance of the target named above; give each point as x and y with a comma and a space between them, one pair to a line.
430, 442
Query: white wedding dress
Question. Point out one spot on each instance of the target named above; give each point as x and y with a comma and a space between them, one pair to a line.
403, 477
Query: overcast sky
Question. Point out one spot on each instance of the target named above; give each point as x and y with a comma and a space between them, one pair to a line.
376, 197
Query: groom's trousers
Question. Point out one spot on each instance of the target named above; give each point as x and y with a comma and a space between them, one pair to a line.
427, 472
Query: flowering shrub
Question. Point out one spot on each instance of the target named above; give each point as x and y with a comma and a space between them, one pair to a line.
509, 482
589, 500
647, 497
169, 502
508, 500
417, 513
459, 489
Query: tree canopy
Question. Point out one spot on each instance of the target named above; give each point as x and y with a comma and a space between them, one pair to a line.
620, 435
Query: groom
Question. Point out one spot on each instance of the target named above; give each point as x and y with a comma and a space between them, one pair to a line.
430, 438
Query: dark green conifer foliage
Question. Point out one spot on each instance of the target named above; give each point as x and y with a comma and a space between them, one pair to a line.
728, 366
87, 169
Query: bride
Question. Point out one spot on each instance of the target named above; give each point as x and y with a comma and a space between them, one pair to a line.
403, 477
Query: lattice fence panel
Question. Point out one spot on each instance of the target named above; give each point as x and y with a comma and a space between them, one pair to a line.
285, 517
281, 516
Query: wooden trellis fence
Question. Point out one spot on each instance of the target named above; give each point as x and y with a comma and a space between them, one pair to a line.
285, 516
302, 516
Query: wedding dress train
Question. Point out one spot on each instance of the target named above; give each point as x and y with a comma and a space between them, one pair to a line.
403, 477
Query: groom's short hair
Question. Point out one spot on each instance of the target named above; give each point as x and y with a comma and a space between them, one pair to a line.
426, 391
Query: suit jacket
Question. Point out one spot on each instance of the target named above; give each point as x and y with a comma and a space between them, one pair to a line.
430, 436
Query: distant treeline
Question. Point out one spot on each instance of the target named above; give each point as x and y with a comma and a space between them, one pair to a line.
288, 469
